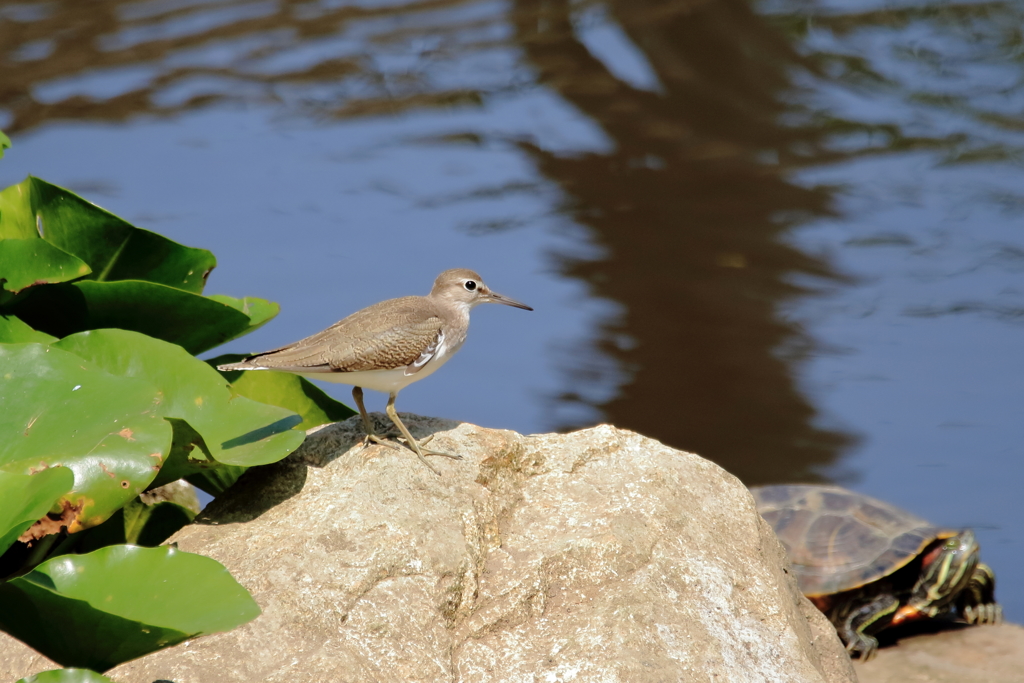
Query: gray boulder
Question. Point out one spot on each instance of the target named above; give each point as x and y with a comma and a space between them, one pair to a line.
599, 555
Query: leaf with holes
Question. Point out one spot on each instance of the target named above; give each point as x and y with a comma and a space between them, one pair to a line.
113, 248
58, 409
27, 499
121, 602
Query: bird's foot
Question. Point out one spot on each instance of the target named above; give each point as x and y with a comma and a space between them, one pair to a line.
416, 447
427, 451
371, 439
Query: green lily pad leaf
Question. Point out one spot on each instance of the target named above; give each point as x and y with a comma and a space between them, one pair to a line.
5, 143
216, 481
17, 220
151, 525
190, 460
235, 430
259, 311
113, 248
189, 454
286, 390
67, 676
14, 331
195, 322
27, 499
31, 262
121, 602
58, 409
275, 388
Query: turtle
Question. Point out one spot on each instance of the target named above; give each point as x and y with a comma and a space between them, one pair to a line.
868, 565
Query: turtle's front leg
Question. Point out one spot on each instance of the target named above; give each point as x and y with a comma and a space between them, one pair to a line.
977, 601
861, 620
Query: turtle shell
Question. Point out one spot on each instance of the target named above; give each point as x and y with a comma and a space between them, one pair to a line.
838, 540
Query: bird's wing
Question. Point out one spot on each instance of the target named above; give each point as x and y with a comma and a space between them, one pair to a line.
427, 353
392, 334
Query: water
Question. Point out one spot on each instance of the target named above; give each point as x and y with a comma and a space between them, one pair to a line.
786, 235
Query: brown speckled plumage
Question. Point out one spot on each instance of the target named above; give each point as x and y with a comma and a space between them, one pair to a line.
391, 334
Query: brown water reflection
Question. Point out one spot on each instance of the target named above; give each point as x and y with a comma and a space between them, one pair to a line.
691, 214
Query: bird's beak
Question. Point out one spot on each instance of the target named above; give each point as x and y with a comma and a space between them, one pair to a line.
495, 298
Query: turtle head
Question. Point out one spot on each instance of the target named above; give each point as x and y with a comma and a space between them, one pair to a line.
945, 570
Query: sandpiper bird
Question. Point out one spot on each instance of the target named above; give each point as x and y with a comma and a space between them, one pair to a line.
387, 346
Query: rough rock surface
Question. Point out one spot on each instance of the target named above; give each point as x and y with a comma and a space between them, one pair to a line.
18, 660
977, 654
594, 556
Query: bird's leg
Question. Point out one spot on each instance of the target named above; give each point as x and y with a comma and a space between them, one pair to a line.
411, 442
371, 436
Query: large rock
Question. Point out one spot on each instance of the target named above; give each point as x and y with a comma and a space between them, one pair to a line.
976, 654
598, 555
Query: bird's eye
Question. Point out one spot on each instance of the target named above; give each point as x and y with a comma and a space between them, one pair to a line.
470, 285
